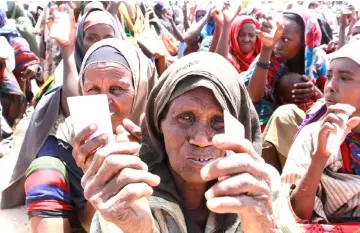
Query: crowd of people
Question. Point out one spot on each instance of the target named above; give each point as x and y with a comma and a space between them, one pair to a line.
289, 76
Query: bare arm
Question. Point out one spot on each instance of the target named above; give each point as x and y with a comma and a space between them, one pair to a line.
192, 35
47, 225
257, 82
86, 216
342, 39
186, 19
113, 8
71, 80
176, 30
229, 16
303, 197
217, 37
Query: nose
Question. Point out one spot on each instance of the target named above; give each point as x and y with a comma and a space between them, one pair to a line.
331, 85
279, 45
110, 99
246, 38
200, 135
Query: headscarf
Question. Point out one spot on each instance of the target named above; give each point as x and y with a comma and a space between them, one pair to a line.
5, 29
201, 69
46, 113
91, 18
342, 170
2, 18
98, 17
123, 53
241, 61
315, 66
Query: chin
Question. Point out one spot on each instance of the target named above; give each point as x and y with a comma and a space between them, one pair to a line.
115, 122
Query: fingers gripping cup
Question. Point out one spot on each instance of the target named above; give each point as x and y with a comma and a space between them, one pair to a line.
88, 110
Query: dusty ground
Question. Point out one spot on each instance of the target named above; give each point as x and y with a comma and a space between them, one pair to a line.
14, 220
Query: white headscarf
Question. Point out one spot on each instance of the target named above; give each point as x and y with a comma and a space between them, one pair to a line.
7, 53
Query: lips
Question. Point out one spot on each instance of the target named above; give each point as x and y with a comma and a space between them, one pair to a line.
330, 100
200, 162
277, 54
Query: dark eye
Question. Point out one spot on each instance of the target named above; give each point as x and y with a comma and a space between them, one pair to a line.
344, 78
115, 89
92, 38
329, 76
186, 118
94, 89
218, 123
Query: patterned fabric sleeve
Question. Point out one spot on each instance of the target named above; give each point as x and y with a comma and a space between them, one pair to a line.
47, 189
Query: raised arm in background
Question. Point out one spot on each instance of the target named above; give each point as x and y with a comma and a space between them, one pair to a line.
257, 83
229, 15
192, 35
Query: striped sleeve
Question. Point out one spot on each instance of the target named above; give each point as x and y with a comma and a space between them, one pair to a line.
47, 189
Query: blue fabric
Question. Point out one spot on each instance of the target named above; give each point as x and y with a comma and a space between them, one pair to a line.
47, 192
208, 30
50, 148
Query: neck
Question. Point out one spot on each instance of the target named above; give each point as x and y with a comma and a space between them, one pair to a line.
296, 64
192, 195
193, 200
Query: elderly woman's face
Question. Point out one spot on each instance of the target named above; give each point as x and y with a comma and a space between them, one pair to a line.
188, 127
247, 37
97, 33
116, 82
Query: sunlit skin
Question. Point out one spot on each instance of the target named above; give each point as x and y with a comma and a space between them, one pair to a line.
114, 81
191, 122
290, 43
188, 127
247, 37
97, 33
343, 85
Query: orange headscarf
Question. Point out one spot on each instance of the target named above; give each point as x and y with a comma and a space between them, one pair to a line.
238, 59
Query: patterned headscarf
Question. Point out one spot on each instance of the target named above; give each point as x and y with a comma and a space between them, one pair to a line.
315, 66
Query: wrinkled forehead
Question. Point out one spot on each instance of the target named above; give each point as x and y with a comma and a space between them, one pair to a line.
196, 82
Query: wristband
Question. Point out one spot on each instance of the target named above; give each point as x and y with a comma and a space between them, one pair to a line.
265, 66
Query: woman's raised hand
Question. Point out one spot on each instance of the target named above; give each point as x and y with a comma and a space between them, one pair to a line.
84, 150
116, 182
243, 185
57, 20
269, 33
230, 12
338, 117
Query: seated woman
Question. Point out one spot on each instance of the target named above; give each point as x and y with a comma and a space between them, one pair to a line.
53, 190
95, 25
322, 183
184, 182
239, 42
15, 83
52, 106
293, 48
